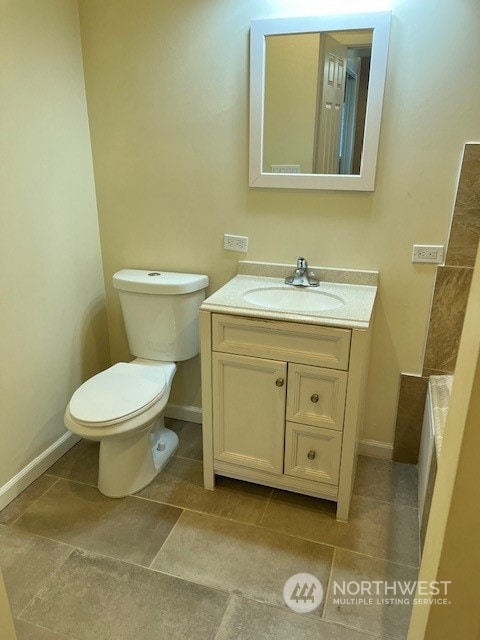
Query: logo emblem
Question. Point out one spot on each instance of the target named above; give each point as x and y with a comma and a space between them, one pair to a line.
303, 592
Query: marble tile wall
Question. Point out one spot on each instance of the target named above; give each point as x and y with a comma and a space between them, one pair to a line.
452, 286
450, 296
465, 230
411, 403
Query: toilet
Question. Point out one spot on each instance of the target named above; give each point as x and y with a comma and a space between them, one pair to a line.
122, 407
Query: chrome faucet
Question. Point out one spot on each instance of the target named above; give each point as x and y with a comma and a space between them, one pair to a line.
302, 277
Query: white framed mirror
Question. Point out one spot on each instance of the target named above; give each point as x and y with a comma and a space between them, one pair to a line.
316, 94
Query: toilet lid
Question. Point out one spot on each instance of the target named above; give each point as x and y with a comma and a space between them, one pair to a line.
118, 392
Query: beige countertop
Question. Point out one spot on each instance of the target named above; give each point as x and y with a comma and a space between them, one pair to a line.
355, 313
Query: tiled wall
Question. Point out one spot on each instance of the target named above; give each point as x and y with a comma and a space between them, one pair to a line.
450, 295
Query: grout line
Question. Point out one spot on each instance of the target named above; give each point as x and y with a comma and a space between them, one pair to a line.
44, 586
33, 501
266, 507
220, 624
66, 479
327, 588
394, 503
42, 628
206, 513
164, 542
187, 458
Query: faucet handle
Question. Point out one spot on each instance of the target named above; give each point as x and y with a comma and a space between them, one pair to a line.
302, 263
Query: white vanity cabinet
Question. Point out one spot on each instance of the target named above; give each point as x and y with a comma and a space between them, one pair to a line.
282, 403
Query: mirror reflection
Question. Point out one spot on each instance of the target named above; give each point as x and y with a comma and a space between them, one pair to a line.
315, 98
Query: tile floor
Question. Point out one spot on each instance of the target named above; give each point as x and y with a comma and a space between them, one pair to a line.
178, 562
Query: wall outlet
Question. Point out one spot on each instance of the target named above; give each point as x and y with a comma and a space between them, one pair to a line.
285, 168
235, 243
428, 253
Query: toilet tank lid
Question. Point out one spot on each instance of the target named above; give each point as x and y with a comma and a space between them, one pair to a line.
158, 282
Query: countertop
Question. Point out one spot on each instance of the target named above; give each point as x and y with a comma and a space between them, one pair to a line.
356, 313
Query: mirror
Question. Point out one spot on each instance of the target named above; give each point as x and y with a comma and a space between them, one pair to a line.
316, 93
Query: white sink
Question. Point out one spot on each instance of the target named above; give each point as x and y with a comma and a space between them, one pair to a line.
293, 299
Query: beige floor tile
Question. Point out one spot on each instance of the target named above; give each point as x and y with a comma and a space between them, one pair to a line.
15, 509
390, 620
79, 464
96, 598
190, 437
239, 558
29, 631
250, 620
181, 484
127, 528
387, 480
376, 528
27, 563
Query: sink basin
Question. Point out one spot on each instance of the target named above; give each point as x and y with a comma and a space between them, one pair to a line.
293, 300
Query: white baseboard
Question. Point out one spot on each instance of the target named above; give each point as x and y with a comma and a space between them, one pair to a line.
184, 412
35, 468
375, 449
372, 448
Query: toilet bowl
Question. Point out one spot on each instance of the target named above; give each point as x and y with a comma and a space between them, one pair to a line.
122, 407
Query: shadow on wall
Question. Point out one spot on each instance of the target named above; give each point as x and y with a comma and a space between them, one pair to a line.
452, 286
90, 353
94, 341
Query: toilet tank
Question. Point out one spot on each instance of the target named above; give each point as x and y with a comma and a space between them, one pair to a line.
160, 311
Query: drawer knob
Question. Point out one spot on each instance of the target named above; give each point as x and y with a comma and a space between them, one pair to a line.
311, 455
279, 382
314, 397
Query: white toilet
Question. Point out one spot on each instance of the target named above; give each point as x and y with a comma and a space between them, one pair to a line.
122, 407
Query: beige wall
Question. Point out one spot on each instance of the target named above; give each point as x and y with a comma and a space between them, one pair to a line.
167, 87
52, 325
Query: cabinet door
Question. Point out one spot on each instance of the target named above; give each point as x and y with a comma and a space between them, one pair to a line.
312, 453
249, 411
316, 396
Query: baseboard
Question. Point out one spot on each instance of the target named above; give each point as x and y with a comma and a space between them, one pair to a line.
371, 448
375, 449
35, 468
184, 412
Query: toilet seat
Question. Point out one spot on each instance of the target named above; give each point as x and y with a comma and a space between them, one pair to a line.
119, 393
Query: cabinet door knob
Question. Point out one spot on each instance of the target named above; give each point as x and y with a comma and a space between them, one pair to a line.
311, 455
314, 397
279, 382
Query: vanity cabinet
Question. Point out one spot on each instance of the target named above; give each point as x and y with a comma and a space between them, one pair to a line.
282, 403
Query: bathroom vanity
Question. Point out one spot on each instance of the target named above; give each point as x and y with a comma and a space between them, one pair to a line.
283, 379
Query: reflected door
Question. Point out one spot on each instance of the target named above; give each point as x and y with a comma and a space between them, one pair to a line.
331, 92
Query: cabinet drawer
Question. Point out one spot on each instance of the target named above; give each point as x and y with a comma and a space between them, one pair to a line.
306, 344
316, 396
312, 453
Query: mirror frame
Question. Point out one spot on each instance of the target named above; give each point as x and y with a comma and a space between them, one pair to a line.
379, 22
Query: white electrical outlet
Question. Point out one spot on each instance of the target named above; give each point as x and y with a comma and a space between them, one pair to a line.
235, 243
285, 168
428, 253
